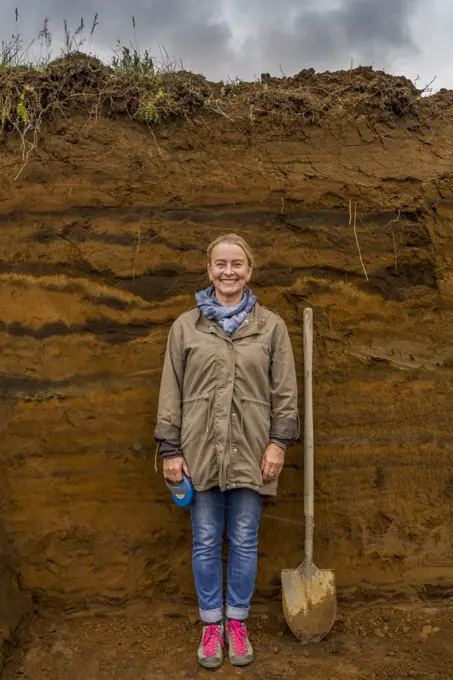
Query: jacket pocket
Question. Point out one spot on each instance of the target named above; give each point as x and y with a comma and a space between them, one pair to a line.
196, 416
255, 424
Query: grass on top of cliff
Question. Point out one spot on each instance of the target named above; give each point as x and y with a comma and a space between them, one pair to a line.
136, 86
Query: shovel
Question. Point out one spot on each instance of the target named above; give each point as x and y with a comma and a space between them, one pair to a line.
308, 593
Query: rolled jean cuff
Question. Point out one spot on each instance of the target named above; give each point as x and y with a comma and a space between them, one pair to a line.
237, 613
211, 615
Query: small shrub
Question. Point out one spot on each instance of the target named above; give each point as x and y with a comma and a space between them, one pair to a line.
21, 109
148, 112
154, 107
129, 61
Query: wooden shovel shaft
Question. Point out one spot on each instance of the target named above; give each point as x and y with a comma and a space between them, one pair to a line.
308, 437
308, 593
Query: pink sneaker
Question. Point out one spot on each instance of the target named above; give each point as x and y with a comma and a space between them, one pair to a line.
239, 648
210, 654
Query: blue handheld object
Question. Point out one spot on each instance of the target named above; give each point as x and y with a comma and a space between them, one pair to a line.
182, 493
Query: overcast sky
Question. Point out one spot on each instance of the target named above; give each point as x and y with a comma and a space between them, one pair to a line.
244, 38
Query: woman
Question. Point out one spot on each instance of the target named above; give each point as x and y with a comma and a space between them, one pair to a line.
227, 410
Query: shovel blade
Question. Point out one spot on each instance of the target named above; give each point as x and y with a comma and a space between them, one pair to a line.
309, 602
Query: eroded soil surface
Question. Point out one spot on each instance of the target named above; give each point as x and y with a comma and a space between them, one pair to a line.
378, 641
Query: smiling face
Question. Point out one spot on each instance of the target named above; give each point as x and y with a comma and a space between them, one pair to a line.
229, 271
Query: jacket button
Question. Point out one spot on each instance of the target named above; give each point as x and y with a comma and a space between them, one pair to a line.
235, 450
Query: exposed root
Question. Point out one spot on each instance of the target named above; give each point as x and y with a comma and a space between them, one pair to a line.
354, 224
397, 219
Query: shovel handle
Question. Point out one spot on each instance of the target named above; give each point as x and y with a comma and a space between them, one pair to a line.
308, 436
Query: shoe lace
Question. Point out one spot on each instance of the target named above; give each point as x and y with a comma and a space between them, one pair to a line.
211, 638
239, 634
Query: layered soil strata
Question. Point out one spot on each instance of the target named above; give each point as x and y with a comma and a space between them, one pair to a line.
102, 239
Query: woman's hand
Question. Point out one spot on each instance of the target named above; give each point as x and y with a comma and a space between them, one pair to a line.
272, 463
173, 469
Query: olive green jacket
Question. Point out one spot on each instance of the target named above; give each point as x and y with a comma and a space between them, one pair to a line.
222, 398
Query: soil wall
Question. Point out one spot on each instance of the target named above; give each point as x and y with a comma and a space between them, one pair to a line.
14, 604
101, 247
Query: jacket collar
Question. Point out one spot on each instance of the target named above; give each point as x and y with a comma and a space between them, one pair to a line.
253, 324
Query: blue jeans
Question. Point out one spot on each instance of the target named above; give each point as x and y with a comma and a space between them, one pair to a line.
240, 510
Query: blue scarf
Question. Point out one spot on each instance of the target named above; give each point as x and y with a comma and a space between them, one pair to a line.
229, 318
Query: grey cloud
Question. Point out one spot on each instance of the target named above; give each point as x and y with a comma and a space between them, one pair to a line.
370, 32
206, 43
238, 37
382, 22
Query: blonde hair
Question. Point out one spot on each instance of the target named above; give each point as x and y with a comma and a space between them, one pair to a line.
234, 240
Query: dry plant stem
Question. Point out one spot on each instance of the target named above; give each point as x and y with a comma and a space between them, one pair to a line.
221, 112
33, 145
393, 237
394, 250
155, 142
355, 233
